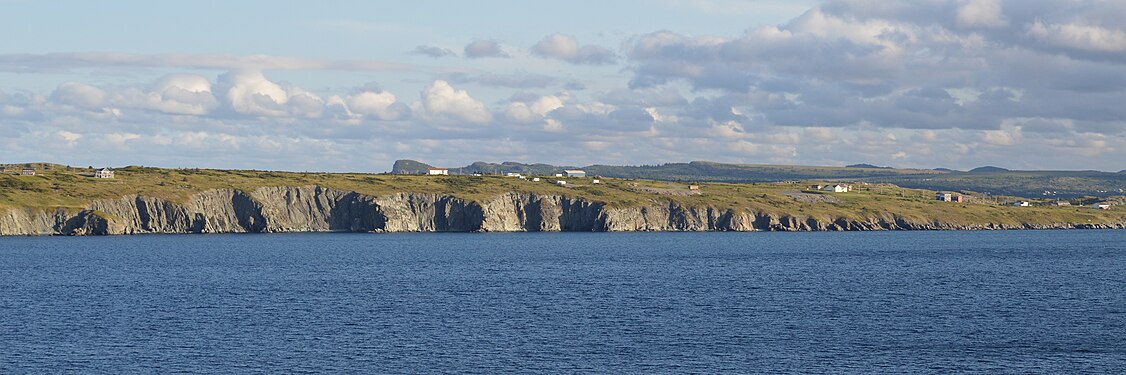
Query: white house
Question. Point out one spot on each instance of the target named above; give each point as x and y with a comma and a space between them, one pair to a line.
575, 173
1101, 206
596, 181
536, 179
103, 173
511, 174
438, 171
558, 175
561, 183
27, 172
1022, 203
838, 188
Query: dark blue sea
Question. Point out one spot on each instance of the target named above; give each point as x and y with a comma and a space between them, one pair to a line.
881, 302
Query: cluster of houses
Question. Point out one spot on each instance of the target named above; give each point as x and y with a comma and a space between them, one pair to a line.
101, 173
1098, 206
949, 197
835, 188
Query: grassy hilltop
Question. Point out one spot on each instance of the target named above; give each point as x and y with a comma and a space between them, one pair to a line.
57, 186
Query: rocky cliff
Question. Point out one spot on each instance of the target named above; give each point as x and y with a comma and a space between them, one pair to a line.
318, 209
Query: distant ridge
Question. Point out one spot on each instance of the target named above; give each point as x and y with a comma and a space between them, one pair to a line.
988, 169
863, 165
988, 179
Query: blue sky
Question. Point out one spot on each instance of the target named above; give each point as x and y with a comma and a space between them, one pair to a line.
352, 86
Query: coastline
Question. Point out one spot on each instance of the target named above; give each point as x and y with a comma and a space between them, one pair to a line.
283, 209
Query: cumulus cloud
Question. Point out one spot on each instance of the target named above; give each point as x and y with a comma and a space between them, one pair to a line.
380, 105
484, 48
533, 110
442, 102
251, 93
567, 48
180, 94
79, 95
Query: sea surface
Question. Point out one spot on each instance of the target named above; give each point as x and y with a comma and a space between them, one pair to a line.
878, 302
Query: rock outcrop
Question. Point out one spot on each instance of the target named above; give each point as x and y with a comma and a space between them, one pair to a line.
319, 209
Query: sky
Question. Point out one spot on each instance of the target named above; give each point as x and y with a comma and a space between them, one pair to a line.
354, 85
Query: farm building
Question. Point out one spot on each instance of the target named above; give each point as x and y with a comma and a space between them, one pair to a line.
1101, 206
575, 173
437, 171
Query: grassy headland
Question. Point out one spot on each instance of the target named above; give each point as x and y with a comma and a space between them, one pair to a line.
56, 186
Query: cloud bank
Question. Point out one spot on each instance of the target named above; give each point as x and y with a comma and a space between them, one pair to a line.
945, 83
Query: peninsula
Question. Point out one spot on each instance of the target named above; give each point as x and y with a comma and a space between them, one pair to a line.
60, 200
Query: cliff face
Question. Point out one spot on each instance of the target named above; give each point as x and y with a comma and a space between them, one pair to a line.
318, 209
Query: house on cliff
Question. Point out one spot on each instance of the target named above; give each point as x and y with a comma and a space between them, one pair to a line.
103, 173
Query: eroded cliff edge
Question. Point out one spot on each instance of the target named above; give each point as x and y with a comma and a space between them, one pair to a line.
319, 209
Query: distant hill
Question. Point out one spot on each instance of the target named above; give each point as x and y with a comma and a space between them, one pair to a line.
862, 165
988, 169
409, 167
945, 170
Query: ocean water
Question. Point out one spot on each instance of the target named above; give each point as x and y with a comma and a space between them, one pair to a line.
880, 302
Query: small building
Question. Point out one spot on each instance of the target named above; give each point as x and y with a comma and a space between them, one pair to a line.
1062, 203
103, 173
27, 172
1101, 206
596, 181
838, 188
438, 171
561, 183
949, 197
575, 173
1022, 203
558, 175
693, 187
512, 174
536, 179
816, 187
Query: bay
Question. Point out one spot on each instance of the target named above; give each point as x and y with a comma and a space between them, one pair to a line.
903, 302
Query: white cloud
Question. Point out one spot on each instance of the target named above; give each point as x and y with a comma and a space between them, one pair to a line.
441, 101
79, 95
983, 13
526, 112
180, 94
380, 105
251, 93
1080, 37
566, 48
484, 48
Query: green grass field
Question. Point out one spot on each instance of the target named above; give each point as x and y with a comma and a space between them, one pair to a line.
57, 186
